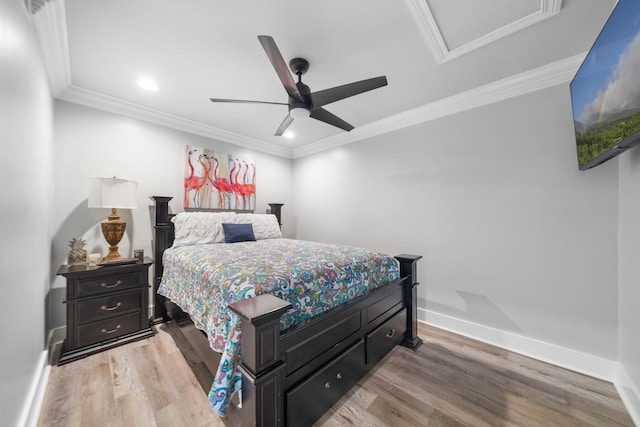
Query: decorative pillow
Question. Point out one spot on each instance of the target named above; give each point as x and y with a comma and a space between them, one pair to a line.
234, 233
265, 226
197, 228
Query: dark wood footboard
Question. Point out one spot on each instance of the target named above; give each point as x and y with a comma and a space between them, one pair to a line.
292, 377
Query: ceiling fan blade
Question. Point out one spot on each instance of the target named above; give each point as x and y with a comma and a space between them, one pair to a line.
284, 125
282, 70
242, 101
330, 118
327, 96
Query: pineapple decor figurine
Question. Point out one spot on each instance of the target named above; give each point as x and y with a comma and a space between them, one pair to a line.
77, 255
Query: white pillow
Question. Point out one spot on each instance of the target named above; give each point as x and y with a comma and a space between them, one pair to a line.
265, 226
197, 228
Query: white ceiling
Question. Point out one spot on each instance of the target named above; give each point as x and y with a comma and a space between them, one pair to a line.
439, 56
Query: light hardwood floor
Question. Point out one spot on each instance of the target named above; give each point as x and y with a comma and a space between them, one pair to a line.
450, 381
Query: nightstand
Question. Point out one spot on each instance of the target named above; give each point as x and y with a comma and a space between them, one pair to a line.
106, 306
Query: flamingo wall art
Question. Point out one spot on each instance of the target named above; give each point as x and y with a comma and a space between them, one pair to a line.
218, 180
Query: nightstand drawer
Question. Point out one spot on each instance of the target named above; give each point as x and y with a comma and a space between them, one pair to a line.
108, 283
92, 333
108, 306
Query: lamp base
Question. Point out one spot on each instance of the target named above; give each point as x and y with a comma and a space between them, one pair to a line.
113, 231
112, 256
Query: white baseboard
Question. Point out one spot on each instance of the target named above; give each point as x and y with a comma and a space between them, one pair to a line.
574, 360
33, 403
628, 393
56, 335
35, 397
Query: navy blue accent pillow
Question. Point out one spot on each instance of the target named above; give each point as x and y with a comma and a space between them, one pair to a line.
238, 233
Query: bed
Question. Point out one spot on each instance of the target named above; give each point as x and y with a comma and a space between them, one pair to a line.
299, 353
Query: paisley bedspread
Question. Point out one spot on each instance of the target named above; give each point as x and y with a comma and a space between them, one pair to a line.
204, 279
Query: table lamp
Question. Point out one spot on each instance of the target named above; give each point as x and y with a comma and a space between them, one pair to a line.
112, 193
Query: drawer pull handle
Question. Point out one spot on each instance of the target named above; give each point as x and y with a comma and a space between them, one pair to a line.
118, 283
104, 331
339, 376
391, 333
115, 307
327, 385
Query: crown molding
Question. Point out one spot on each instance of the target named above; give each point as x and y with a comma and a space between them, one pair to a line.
88, 98
50, 22
549, 75
432, 33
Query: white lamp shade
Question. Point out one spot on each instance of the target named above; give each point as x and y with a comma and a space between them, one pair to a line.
112, 193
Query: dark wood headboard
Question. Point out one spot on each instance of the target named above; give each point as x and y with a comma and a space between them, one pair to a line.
163, 236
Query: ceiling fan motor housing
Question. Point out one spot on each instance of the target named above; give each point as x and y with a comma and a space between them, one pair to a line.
300, 108
305, 102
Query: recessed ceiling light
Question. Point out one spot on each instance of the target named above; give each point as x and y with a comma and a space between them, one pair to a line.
288, 134
147, 84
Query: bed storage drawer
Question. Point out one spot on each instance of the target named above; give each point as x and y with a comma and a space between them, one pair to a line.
321, 341
314, 396
386, 336
380, 307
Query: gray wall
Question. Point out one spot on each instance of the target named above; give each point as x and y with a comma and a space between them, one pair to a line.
93, 143
26, 115
514, 237
629, 293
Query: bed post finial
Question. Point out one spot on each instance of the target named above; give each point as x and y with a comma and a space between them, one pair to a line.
276, 209
408, 269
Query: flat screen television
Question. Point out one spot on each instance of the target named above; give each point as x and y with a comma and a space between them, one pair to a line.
605, 92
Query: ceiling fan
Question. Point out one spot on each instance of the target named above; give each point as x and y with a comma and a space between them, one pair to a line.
302, 102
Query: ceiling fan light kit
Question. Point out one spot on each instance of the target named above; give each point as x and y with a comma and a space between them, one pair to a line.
302, 102
299, 113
